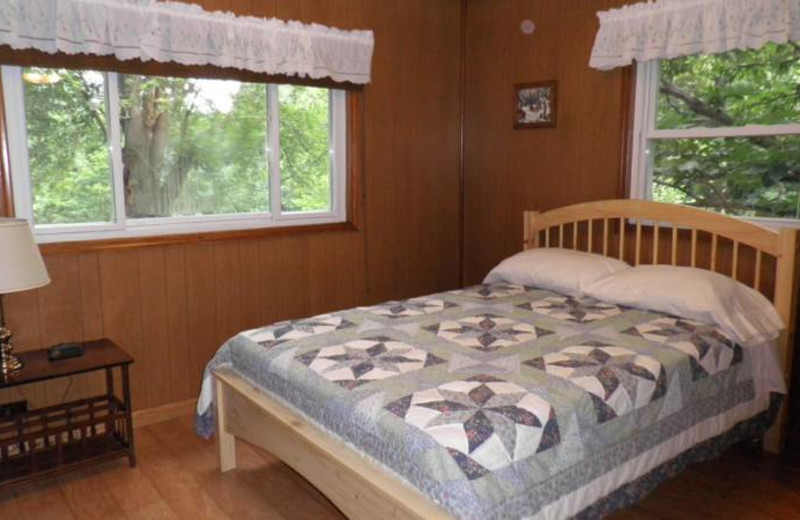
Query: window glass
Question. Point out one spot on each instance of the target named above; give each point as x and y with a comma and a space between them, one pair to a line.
306, 165
724, 134
755, 87
748, 177
65, 115
193, 146
98, 155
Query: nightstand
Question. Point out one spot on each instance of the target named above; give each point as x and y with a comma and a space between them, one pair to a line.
55, 439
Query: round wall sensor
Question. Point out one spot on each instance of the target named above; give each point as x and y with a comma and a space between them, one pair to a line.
527, 27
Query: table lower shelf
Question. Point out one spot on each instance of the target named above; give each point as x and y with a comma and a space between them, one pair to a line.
74, 457
62, 438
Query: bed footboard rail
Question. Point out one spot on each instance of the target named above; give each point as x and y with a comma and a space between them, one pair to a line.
361, 489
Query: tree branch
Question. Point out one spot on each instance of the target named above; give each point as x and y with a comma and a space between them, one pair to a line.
704, 109
677, 187
87, 95
696, 105
720, 197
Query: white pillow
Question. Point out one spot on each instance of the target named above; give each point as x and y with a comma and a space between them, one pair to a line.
561, 270
696, 294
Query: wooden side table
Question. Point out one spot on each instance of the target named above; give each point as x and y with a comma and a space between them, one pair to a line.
48, 441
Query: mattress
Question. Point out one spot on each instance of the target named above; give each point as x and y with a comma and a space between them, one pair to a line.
501, 402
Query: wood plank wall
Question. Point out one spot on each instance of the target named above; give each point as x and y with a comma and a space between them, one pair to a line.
508, 171
172, 306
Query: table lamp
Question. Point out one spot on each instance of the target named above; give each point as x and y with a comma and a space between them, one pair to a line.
21, 269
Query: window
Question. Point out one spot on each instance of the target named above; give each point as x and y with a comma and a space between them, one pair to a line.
107, 155
721, 132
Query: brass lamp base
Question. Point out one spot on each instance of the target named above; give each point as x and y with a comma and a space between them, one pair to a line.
8, 362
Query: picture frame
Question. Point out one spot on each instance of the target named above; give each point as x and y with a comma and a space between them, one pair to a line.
535, 104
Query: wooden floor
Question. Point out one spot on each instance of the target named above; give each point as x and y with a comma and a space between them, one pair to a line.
177, 479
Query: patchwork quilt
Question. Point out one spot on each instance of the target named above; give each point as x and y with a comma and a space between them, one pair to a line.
497, 401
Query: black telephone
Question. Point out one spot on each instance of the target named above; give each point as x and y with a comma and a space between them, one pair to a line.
65, 351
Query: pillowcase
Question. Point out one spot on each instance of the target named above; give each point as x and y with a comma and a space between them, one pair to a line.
696, 294
561, 270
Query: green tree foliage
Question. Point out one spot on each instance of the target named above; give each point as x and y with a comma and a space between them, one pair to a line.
69, 161
754, 176
305, 148
189, 147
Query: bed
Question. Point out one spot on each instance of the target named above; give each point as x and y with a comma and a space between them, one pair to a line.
504, 400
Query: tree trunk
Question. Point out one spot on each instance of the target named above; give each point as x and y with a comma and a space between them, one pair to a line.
149, 190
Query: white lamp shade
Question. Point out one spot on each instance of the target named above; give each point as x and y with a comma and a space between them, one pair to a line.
21, 265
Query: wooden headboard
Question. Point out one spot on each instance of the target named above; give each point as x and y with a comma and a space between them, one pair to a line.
646, 232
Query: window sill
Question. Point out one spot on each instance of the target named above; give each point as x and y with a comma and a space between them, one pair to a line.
191, 238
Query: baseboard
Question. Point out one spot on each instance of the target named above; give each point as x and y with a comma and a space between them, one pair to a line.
163, 413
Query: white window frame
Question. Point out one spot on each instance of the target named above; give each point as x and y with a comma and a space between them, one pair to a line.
122, 227
645, 132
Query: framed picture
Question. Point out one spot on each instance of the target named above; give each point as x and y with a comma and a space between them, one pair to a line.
535, 104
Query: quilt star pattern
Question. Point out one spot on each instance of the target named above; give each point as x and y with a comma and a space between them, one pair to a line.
491, 291
710, 351
411, 307
360, 361
572, 309
298, 329
487, 332
485, 423
617, 379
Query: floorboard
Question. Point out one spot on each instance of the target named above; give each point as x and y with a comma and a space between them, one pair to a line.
177, 479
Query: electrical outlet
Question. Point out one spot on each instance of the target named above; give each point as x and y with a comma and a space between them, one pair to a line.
9, 410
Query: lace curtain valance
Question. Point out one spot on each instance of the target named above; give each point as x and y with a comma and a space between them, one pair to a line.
186, 34
672, 28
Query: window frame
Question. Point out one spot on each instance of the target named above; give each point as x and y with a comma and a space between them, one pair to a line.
645, 131
123, 229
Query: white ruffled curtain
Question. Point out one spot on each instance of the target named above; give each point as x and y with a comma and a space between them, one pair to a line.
672, 28
186, 34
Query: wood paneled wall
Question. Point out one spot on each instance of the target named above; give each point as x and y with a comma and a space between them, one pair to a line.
509, 171
172, 306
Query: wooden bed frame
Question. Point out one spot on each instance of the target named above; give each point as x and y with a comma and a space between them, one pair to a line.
638, 231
